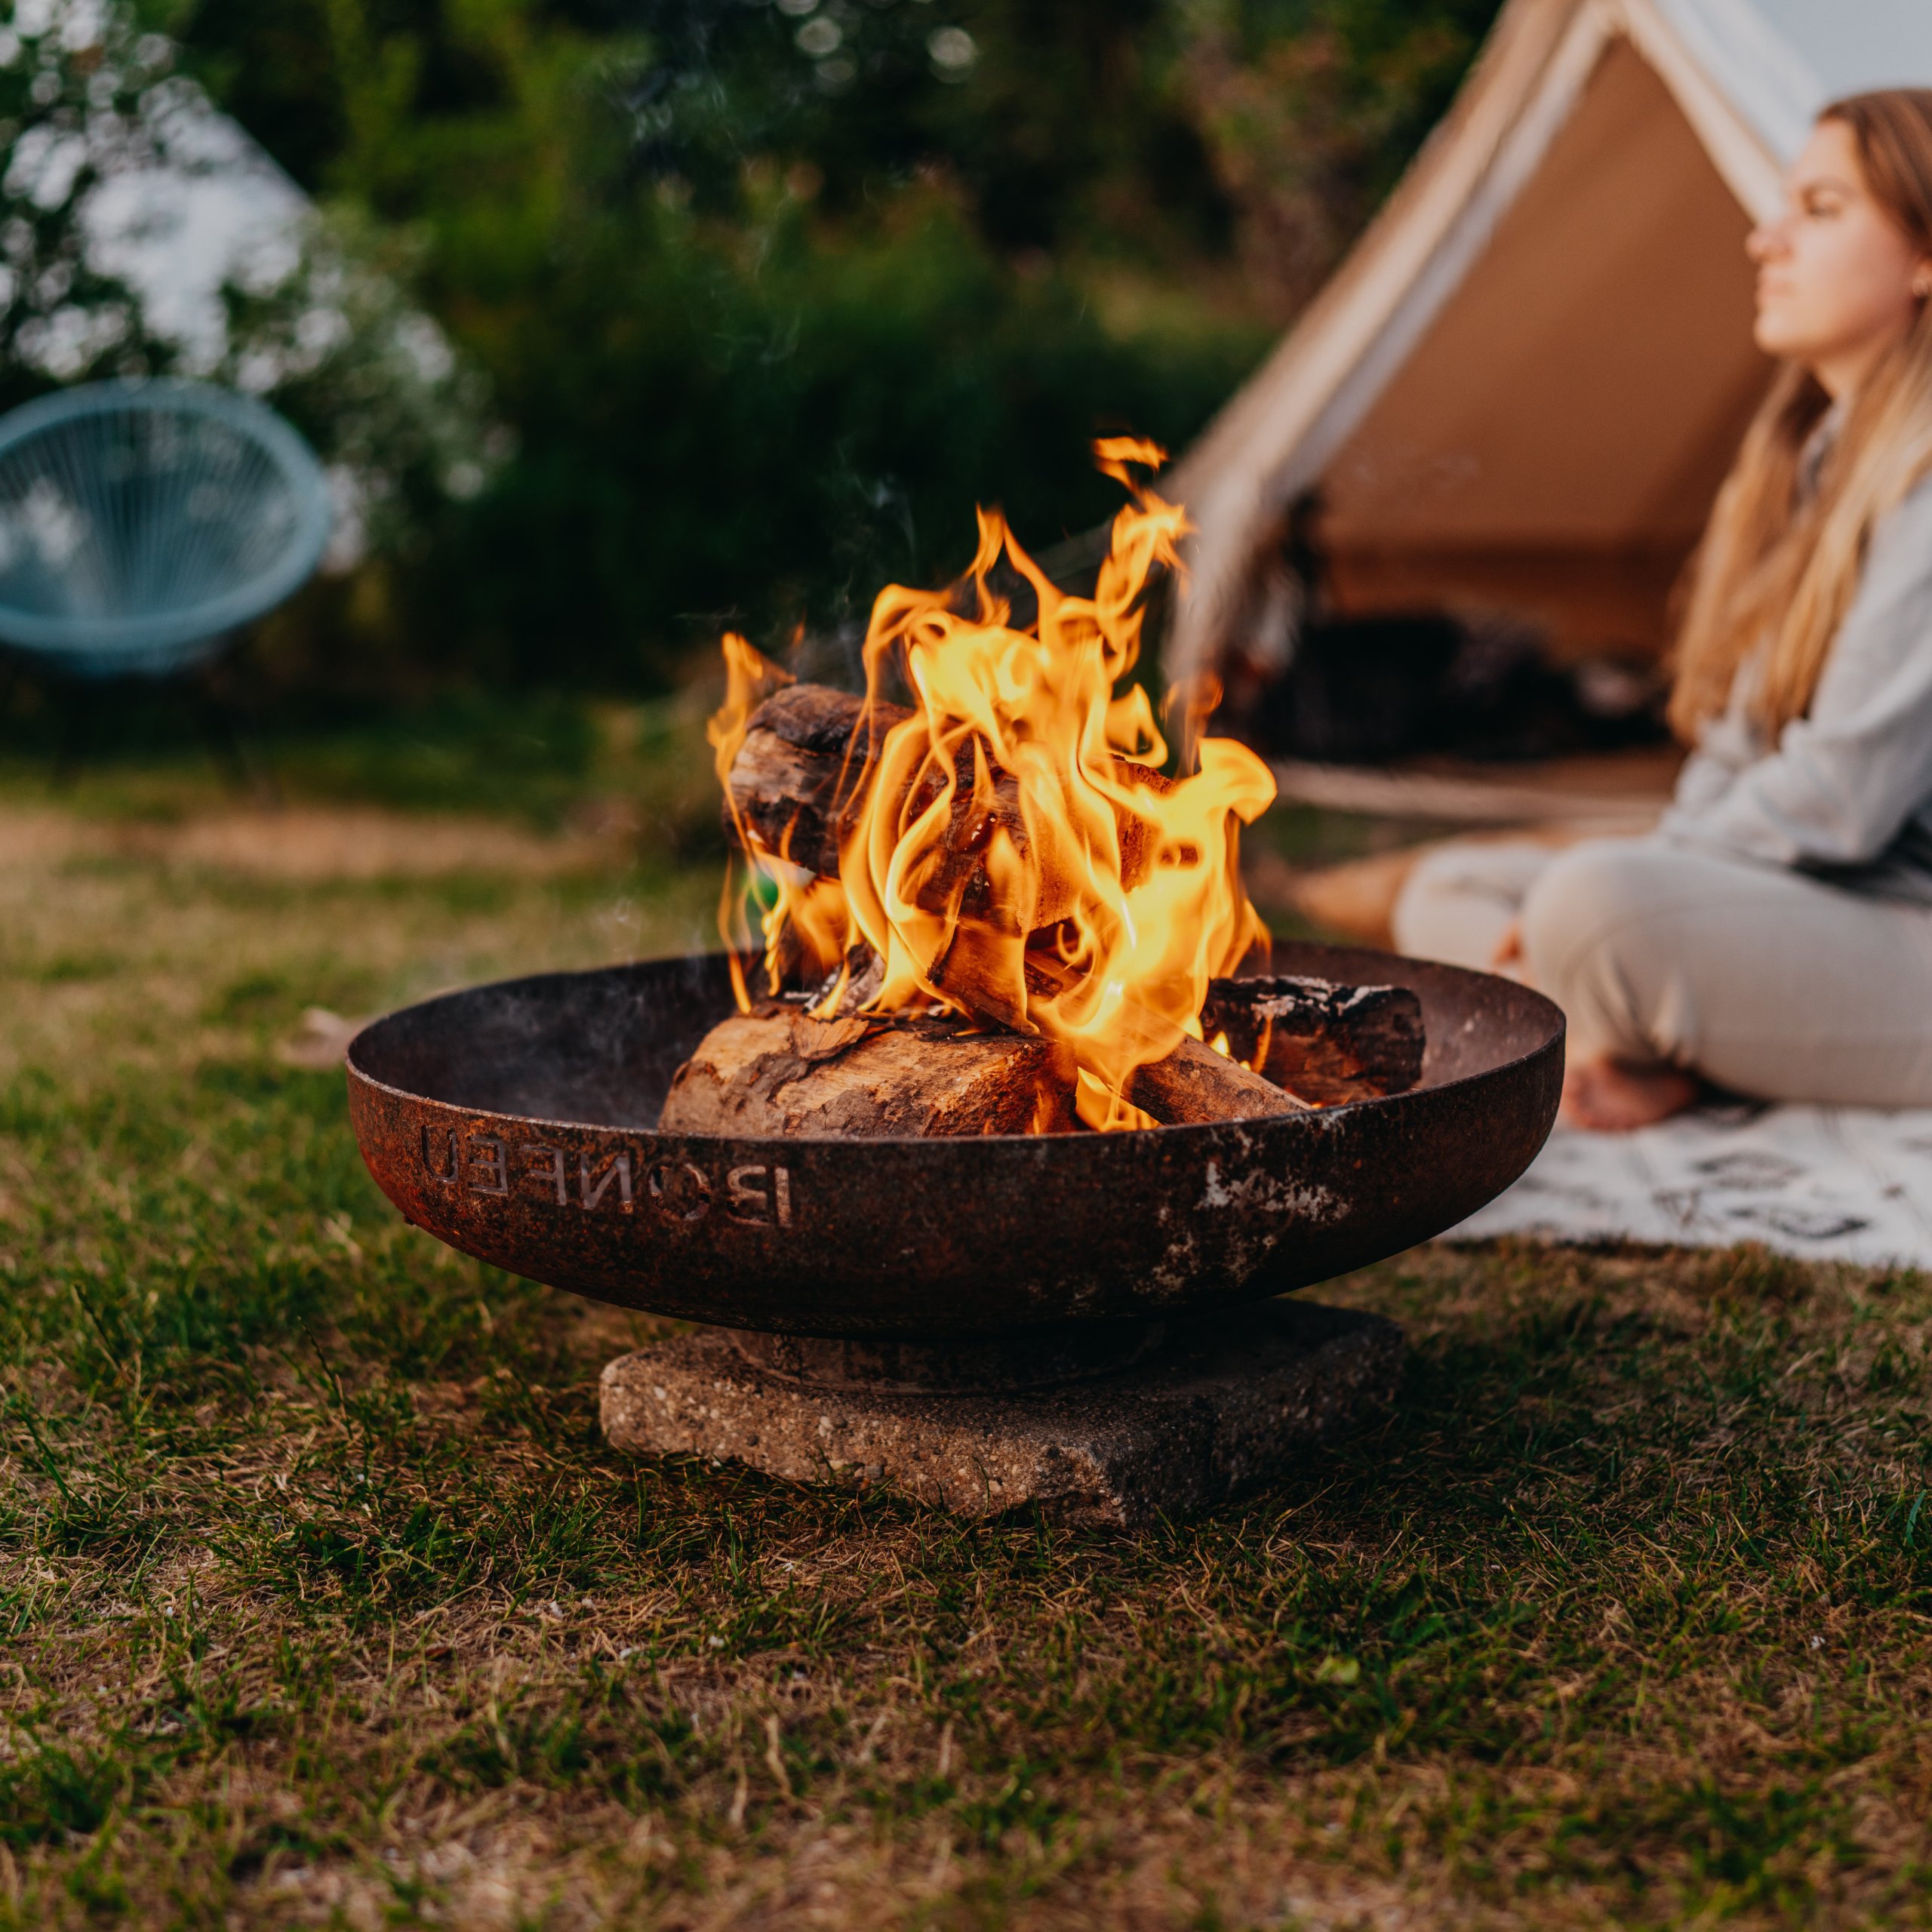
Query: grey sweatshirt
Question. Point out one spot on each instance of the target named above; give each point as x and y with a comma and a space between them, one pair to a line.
1845, 792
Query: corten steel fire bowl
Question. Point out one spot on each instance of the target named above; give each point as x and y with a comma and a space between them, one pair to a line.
516, 1122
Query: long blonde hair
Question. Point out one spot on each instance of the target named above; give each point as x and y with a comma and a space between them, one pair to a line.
1782, 556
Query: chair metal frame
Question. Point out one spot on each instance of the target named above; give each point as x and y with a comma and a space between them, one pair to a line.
89, 645
82, 651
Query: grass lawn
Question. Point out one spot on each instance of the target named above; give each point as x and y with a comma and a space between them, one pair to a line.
324, 1603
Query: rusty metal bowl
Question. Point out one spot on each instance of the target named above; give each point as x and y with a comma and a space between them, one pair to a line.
516, 1122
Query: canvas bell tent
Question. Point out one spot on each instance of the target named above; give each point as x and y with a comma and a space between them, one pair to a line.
1521, 389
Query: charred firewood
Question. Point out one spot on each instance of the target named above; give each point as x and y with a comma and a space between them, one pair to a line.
780, 1072
1327, 1043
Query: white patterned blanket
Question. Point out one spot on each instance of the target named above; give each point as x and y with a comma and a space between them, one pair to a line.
1826, 1183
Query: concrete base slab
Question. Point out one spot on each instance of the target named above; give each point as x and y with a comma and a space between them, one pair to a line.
1230, 1406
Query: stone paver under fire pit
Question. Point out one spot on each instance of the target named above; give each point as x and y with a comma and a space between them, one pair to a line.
1230, 1407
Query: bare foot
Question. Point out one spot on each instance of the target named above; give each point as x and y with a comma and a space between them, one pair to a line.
1611, 1097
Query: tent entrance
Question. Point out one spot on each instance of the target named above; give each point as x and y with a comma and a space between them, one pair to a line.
1551, 446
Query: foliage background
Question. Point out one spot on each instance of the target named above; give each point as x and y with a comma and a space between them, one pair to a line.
751, 300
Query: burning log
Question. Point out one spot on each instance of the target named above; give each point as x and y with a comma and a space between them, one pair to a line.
778, 1072
1327, 1043
802, 781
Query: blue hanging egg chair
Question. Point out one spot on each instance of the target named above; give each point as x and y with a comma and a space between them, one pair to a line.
143, 523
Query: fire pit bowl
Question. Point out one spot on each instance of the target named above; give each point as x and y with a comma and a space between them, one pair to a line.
516, 1122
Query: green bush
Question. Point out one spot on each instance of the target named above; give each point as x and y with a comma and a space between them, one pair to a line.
702, 444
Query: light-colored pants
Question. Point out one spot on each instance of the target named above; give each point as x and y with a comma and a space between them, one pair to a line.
1763, 980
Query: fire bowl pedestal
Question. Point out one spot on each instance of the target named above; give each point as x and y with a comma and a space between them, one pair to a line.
1224, 1406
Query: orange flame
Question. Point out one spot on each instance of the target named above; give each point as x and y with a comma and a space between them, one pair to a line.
1017, 857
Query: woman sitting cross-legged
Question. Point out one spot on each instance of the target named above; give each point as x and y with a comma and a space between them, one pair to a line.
1774, 934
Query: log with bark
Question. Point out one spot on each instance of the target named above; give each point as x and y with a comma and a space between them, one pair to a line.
1328, 1043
